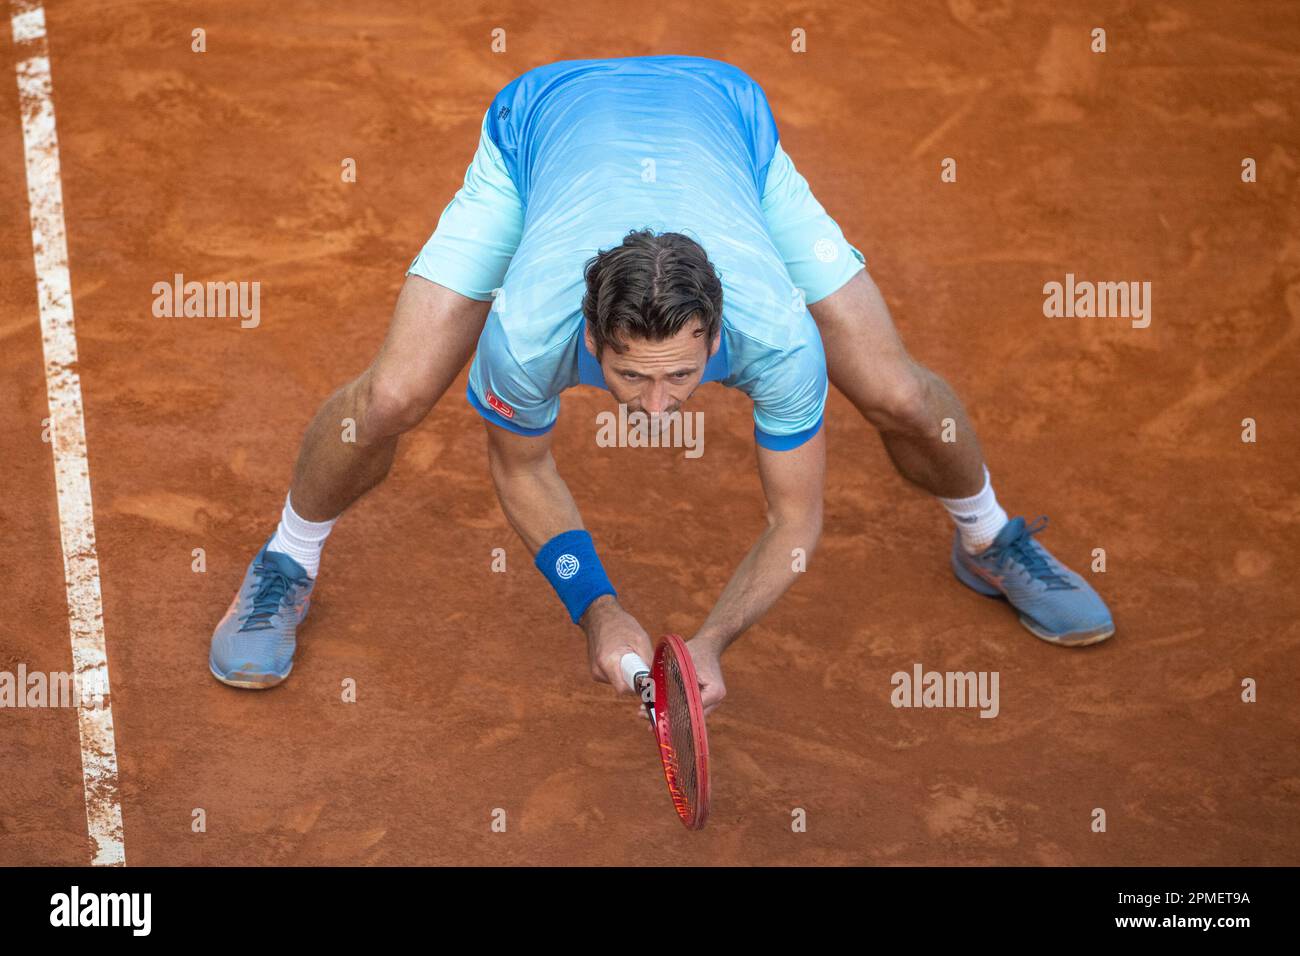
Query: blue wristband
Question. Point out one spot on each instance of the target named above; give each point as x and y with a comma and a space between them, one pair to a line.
569, 561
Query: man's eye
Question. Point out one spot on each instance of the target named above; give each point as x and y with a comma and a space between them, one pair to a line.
631, 376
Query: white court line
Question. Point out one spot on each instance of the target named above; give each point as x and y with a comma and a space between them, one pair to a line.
68, 436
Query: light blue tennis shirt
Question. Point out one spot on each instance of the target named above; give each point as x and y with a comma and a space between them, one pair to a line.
596, 148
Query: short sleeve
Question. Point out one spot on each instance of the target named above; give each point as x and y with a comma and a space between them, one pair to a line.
501, 388
789, 394
812, 245
478, 231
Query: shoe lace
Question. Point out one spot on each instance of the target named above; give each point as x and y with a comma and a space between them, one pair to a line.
272, 588
1028, 554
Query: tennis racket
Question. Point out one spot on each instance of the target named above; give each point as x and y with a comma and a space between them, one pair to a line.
671, 694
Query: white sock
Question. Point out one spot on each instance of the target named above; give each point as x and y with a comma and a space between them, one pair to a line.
978, 518
301, 539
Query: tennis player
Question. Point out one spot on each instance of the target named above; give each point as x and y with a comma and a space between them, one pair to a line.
634, 224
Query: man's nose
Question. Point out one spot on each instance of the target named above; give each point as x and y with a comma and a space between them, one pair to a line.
656, 398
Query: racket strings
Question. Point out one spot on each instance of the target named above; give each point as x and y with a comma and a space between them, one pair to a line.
682, 738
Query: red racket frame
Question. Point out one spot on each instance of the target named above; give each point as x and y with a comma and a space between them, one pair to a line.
692, 817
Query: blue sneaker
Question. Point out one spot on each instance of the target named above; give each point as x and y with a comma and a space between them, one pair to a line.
253, 645
1054, 602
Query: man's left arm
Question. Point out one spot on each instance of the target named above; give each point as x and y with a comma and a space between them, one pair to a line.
792, 483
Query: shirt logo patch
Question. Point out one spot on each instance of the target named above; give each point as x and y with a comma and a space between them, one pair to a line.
826, 250
500, 407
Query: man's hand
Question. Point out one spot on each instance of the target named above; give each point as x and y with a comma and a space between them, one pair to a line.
708, 669
611, 633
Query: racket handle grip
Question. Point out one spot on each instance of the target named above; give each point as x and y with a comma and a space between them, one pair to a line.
633, 667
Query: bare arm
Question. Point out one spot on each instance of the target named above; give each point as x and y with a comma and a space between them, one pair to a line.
538, 505
534, 497
792, 483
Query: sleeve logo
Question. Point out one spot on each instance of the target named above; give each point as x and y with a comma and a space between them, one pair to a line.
826, 250
500, 407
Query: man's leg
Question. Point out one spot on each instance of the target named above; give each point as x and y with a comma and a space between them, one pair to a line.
431, 337
908, 405
905, 401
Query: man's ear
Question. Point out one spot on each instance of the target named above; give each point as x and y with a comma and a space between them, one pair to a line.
716, 343
591, 342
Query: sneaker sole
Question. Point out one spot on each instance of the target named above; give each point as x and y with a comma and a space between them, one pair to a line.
250, 680
1068, 640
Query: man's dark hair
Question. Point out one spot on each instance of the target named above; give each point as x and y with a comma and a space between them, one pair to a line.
650, 287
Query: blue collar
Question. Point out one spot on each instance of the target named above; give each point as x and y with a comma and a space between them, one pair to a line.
590, 373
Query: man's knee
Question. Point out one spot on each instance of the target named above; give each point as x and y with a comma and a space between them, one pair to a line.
390, 406
899, 399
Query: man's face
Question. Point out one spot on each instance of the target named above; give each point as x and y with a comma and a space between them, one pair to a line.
656, 377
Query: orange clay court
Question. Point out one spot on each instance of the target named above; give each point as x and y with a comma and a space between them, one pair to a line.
473, 692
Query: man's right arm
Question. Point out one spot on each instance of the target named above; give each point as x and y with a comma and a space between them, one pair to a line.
538, 505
